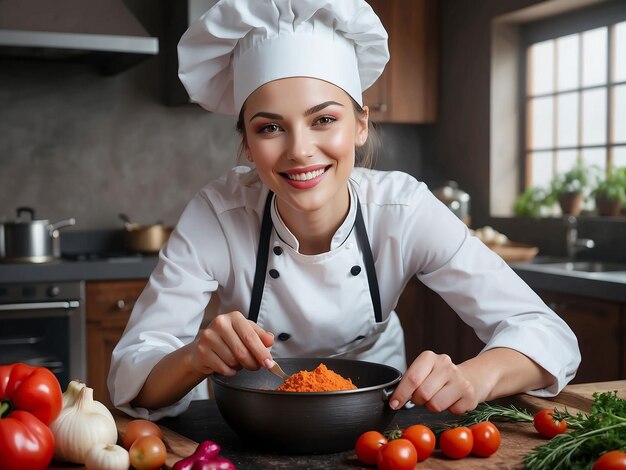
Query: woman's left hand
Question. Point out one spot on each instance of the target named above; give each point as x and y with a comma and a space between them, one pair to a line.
434, 381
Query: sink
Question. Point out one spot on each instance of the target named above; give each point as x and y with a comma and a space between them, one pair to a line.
588, 266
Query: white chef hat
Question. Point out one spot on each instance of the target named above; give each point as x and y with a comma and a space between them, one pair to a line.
239, 45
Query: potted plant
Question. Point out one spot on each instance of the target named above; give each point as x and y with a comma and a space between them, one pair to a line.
531, 202
568, 189
610, 192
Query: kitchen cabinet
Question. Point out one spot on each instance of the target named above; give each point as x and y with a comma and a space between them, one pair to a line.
108, 307
429, 323
407, 90
600, 326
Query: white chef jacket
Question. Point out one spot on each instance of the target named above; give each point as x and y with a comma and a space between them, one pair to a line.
314, 304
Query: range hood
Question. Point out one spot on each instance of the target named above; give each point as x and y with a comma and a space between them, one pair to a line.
63, 29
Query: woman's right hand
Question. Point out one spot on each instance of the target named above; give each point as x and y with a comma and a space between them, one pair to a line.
231, 342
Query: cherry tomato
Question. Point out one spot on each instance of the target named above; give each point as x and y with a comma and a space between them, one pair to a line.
456, 443
486, 438
398, 454
367, 446
147, 453
422, 438
613, 460
138, 428
546, 425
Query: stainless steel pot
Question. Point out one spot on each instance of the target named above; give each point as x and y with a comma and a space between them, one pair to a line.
27, 240
311, 422
457, 200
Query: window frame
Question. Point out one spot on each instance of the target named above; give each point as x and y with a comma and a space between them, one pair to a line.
578, 21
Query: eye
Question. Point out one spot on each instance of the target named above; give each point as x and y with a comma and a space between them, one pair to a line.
268, 129
324, 120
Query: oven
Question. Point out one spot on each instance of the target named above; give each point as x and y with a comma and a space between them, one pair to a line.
43, 324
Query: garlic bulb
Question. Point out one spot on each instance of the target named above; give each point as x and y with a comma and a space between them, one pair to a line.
73, 391
82, 424
107, 457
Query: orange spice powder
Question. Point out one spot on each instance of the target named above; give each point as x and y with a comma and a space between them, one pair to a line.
321, 379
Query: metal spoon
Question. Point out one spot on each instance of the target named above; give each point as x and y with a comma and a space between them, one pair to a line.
276, 369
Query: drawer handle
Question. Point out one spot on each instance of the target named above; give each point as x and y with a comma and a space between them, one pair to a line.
123, 305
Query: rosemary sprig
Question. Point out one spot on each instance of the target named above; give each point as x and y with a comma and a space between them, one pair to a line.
604, 429
487, 412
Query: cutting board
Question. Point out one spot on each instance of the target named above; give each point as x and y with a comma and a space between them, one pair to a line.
579, 396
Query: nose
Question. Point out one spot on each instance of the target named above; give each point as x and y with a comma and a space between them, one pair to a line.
301, 143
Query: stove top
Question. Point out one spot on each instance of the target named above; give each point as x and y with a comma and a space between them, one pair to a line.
111, 256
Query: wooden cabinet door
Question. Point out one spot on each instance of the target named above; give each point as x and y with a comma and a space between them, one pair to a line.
597, 325
407, 90
429, 323
99, 351
108, 307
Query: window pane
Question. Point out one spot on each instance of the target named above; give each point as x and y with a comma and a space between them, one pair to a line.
619, 156
620, 52
594, 56
567, 122
567, 66
541, 67
540, 169
565, 160
541, 115
595, 158
594, 117
619, 114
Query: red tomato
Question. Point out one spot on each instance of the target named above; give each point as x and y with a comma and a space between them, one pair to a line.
398, 454
25, 442
138, 428
422, 438
32, 389
486, 438
456, 443
613, 460
147, 453
367, 446
546, 425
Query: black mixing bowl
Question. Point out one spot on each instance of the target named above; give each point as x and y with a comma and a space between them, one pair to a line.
306, 422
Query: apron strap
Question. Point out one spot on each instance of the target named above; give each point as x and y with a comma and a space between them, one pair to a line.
368, 259
261, 260
263, 254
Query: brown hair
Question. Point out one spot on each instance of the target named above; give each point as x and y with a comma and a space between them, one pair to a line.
365, 155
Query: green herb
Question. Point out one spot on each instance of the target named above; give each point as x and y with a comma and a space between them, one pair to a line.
510, 413
603, 429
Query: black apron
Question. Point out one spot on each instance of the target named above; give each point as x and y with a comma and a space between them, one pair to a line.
263, 253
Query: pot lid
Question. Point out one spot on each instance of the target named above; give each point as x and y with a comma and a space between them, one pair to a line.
26, 215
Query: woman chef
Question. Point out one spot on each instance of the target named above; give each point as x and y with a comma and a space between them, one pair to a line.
307, 255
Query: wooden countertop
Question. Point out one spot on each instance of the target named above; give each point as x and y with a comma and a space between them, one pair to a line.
202, 421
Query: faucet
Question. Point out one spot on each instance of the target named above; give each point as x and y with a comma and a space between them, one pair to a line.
573, 244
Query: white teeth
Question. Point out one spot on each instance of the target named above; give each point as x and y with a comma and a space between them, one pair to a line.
309, 175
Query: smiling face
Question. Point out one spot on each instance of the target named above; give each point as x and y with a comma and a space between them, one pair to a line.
301, 133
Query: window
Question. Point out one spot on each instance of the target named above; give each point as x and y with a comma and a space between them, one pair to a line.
574, 94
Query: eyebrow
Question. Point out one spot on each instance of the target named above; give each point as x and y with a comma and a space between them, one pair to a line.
308, 112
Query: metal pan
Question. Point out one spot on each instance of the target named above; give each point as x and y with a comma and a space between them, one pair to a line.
144, 238
306, 423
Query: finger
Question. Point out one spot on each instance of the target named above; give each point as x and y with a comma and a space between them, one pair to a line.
444, 397
442, 372
248, 346
210, 353
417, 372
267, 337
